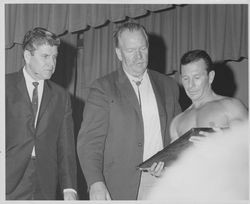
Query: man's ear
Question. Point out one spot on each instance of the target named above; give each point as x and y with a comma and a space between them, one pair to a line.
118, 53
211, 76
27, 56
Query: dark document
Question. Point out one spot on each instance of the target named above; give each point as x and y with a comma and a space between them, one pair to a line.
170, 153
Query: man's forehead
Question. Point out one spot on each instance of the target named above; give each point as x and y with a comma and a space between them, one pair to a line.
198, 66
46, 48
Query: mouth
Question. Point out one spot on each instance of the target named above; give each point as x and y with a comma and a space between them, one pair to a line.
192, 93
140, 63
49, 70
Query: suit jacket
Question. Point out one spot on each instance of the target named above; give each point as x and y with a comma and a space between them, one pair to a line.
110, 141
53, 136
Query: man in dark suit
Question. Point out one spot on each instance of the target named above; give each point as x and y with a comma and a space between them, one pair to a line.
40, 148
125, 121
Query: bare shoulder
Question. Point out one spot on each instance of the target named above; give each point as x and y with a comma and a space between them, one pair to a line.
234, 107
230, 102
179, 116
174, 127
176, 119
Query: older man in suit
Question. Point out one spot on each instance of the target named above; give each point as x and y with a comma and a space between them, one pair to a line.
40, 148
125, 121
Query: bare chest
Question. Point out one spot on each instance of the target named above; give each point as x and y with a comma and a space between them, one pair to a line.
207, 116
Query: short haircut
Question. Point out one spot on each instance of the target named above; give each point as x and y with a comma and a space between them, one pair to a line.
130, 26
39, 36
196, 55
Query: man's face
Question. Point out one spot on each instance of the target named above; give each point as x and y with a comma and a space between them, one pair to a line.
133, 52
41, 65
196, 80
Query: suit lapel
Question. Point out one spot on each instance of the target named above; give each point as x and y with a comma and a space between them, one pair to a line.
127, 90
160, 102
128, 94
47, 95
22, 89
21, 97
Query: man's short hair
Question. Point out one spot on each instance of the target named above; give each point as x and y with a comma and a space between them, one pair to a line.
130, 26
37, 37
196, 55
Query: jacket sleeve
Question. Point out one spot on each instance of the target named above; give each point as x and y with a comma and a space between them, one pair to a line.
93, 133
66, 149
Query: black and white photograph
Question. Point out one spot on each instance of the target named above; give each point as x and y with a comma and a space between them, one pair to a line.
125, 101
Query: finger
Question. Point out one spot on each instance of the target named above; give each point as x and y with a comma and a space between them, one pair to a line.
194, 139
203, 133
159, 167
217, 129
152, 168
97, 196
108, 196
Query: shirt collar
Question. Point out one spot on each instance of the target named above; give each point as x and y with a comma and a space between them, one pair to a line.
132, 78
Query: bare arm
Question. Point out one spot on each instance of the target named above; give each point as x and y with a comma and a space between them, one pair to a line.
236, 111
173, 129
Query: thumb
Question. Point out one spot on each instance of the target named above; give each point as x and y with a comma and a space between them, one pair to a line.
108, 196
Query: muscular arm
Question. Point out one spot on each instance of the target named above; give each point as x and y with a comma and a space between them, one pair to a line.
173, 129
235, 111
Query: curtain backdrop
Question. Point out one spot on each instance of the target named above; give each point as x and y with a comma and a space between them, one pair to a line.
221, 30
59, 18
87, 49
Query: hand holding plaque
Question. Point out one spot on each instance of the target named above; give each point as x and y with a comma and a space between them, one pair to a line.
171, 152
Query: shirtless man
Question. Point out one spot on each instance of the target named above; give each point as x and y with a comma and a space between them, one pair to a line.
207, 109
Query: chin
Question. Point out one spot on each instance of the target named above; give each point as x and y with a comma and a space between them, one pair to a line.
194, 98
47, 77
215, 169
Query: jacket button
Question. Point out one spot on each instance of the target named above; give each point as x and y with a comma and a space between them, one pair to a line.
139, 144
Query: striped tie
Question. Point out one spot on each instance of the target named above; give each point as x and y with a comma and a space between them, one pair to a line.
35, 98
138, 83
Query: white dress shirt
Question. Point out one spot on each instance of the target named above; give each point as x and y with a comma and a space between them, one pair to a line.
29, 80
150, 114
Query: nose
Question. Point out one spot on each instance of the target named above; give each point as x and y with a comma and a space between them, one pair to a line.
191, 84
51, 61
138, 54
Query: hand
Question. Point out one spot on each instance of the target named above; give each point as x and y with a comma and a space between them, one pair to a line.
203, 135
99, 191
69, 195
156, 169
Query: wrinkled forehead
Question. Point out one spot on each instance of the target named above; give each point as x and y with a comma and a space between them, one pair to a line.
128, 35
46, 49
198, 66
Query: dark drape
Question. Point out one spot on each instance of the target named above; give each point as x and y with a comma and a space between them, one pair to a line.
221, 30
59, 18
87, 50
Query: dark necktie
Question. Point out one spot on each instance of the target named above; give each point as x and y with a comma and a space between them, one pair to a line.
138, 83
35, 98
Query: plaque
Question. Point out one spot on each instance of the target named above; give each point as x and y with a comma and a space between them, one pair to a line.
170, 153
